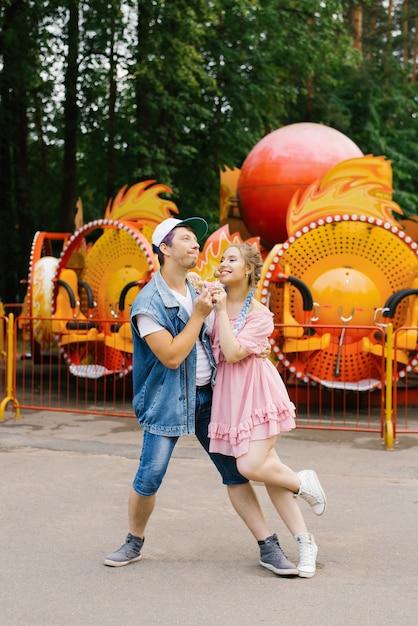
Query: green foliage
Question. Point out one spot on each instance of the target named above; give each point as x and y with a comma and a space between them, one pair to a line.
172, 91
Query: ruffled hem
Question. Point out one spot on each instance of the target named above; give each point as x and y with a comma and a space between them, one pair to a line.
276, 418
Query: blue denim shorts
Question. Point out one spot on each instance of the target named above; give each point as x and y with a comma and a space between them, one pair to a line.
157, 451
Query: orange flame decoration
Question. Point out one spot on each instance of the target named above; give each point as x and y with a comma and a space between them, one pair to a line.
141, 203
214, 248
79, 219
228, 191
360, 186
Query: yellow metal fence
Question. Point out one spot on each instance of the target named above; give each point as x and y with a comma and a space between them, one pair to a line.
34, 378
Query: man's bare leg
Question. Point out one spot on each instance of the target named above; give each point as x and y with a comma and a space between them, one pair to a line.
140, 509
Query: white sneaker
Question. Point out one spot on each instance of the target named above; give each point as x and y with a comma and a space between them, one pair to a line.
311, 491
308, 551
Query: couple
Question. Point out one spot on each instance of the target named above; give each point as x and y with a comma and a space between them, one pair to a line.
174, 357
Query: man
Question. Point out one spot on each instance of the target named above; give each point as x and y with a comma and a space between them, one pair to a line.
172, 359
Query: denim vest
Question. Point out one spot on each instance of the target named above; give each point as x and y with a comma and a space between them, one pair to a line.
164, 399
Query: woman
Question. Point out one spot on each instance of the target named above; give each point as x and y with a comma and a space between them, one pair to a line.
250, 404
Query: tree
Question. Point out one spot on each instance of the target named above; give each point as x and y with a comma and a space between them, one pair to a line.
95, 95
18, 57
379, 96
71, 121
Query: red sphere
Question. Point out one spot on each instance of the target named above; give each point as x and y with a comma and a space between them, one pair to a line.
285, 161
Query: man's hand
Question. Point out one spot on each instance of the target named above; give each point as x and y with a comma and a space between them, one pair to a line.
203, 304
172, 351
265, 354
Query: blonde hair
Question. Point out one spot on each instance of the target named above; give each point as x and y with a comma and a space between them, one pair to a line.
252, 259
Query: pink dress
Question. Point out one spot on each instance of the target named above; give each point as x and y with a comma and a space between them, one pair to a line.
250, 400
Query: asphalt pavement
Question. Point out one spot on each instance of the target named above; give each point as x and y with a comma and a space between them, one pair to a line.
64, 481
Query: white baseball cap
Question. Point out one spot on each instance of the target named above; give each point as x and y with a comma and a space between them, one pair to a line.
197, 224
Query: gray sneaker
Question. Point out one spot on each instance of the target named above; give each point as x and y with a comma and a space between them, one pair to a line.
128, 553
273, 558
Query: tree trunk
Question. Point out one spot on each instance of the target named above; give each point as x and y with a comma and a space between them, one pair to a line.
69, 183
143, 34
357, 25
110, 185
405, 35
415, 55
15, 236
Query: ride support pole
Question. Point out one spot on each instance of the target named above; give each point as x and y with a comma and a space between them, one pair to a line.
10, 373
2, 350
388, 430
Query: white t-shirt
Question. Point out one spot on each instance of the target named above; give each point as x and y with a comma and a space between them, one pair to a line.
146, 326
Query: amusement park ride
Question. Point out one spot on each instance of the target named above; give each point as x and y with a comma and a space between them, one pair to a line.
338, 265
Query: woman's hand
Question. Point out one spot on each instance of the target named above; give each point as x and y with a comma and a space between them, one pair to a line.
219, 296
